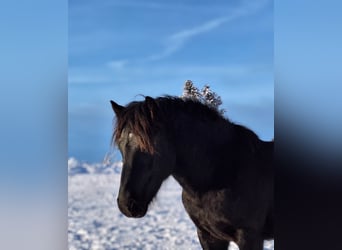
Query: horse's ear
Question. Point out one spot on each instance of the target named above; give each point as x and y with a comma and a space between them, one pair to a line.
151, 104
117, 108
149, 100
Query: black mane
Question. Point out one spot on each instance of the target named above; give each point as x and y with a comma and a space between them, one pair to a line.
193, 107
144, 117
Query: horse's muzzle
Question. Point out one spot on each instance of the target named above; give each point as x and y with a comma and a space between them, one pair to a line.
131, 208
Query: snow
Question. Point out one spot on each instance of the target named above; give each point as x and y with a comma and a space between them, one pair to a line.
96, 223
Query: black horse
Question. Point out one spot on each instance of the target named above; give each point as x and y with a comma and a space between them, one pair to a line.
225, 170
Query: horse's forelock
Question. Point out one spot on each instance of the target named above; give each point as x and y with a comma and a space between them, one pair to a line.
139, 119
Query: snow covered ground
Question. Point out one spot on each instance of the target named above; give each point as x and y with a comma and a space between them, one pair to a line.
96, 223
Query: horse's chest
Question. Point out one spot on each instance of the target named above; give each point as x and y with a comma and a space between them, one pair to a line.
208, 212
199, 208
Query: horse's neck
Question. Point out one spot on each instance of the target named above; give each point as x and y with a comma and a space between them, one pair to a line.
193, 180
201, 153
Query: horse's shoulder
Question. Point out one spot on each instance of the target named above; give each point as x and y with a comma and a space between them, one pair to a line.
211, 201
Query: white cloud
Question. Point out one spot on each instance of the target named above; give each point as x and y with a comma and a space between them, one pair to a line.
131, 73
84, 78
117, 64
178, 40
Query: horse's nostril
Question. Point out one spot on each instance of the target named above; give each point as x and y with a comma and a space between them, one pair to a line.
132, 205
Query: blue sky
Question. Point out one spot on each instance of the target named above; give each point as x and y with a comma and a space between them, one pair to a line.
120, 49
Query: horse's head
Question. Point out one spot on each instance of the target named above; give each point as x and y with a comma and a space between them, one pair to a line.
148, 158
